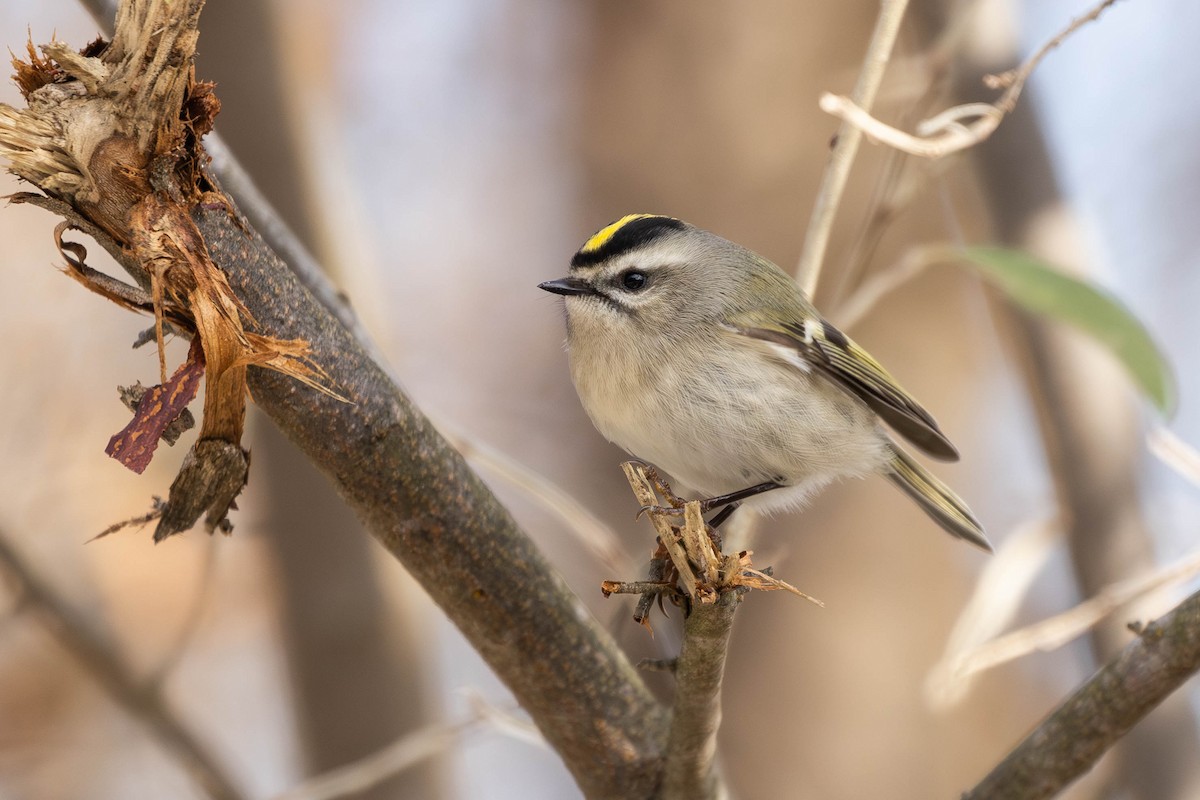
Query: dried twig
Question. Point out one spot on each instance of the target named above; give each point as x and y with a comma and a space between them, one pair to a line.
974, 646
589, 530
1177, 454
855, 308
368, 772
1054, 632
959, 127
644, 492
999, 591
849, 136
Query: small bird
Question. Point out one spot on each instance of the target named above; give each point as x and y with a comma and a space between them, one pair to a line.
694, 353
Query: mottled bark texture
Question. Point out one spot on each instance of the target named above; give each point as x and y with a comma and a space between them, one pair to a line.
692, 745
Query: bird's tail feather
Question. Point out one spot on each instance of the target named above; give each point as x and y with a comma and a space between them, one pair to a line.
936, 498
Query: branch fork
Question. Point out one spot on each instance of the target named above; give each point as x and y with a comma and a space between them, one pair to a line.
688, 565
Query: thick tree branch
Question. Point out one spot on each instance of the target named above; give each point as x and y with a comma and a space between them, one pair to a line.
1068, 742
414, 492
420, 500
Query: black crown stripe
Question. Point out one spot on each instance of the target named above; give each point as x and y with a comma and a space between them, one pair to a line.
623, 235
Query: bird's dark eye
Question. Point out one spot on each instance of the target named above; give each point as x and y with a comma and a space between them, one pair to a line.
633, 279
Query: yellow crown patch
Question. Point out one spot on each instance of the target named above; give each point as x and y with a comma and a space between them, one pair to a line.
602, 236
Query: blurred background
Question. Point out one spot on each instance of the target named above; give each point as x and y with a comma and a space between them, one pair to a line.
441, 160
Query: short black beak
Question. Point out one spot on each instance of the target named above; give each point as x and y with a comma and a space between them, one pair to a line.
567, 286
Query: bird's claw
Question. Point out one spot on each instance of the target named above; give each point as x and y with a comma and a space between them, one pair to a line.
665, 510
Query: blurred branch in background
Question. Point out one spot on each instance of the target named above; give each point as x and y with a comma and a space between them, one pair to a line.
401, 755
1090, 441
976, 644
845, 147
592, 534
141, 699
361, 672
946, 132
1165, 653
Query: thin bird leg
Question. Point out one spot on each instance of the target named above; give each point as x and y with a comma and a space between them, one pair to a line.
722, 515
733, 498
716, 502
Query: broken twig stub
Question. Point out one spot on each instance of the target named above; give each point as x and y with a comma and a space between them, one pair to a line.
112, 133
689, 566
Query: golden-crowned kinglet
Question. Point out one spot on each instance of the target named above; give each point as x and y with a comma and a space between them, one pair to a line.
694, 353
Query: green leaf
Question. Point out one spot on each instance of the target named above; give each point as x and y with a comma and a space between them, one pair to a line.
1044, 290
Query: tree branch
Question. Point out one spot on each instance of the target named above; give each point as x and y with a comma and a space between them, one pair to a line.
420, 500
961, 126
414, 492
692, 743
1068, 742
713, 584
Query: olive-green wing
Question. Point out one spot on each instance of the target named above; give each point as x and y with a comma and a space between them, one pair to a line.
825, 349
